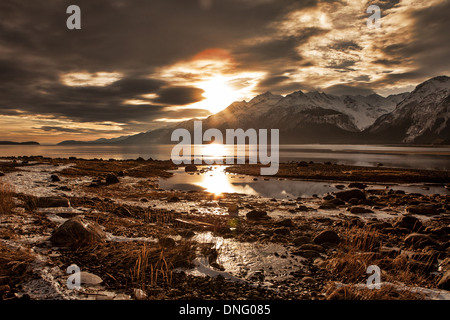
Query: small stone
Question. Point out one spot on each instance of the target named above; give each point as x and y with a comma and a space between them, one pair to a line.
357, 185
427, 210
139, 294
257, 215
360, 210
309, 280
327, 236
53, 202
350, 194
111, 179
301, 240
54, 178
190, 168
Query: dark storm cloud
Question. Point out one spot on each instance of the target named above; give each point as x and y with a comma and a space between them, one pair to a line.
346, 46
179, 96
133, 38
427, 50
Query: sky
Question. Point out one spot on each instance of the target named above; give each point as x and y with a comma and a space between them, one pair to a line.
137, 65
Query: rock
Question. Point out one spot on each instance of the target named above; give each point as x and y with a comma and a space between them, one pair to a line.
350, 194
1, 174
233, 210
409, 222
53, 202
328, 197
327, 206
282, 231
186, 233
313, 247
327, 236
302, 164
359, 210
357, 185
139, 294
121, 174
89, 279
427, 210
419, 240
379, 225
167, 242
444, 283
190, 168
337, 202
301, 240
309, 280
54, 178
307, 253
257, 215
285, 223
173, 199
77, 232
302, 208
111, 179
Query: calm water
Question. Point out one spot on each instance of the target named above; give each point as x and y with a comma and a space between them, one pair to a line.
217, 181
364, 155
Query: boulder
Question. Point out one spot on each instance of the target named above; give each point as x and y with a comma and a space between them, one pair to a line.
307, 253
300, 240
285, 223
327, 236
54, 178
284, 231
111, 178
427, 210
257, 215
53, 202
233, 210
357, 185
409, 222
351, 194
190, 168
359, 210
77, 232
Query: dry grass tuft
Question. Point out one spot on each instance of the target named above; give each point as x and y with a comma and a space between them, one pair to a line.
6, 198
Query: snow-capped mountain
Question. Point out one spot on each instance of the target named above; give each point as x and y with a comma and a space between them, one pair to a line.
422, 117
417, 117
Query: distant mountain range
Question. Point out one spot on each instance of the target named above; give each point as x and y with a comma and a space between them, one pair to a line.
11, 143
419, 117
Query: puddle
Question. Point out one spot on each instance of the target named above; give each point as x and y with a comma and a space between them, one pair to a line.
256, 263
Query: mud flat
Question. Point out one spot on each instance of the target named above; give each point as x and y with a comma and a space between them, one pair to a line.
131, 239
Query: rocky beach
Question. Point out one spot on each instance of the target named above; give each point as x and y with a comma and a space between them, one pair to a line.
129, 238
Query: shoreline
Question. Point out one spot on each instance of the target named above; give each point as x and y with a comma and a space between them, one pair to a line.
173, 245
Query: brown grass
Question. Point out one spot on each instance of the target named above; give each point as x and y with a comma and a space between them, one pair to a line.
6, 198
14, 263
359, 249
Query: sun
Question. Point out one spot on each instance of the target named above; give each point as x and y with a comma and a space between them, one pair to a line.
218, 94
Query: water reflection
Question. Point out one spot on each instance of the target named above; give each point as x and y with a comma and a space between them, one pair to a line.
216, 181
